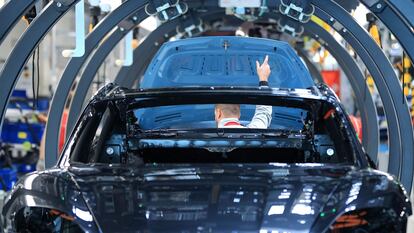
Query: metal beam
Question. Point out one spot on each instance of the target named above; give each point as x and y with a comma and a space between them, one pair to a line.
128, 8
403, 9
11, 13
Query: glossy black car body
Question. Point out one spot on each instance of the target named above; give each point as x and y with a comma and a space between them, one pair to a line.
236, 196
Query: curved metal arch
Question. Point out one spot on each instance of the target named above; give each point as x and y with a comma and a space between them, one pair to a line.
99, 56
356, 78
11, 13
127, 9
401, 8
364, 98
402, 11
398, 115
316, 74
25, 46
396, 23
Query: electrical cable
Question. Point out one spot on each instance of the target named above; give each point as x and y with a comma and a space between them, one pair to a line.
104, 73
403, 77
38, 78
33, 78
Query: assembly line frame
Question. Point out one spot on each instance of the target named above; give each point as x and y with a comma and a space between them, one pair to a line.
393, 13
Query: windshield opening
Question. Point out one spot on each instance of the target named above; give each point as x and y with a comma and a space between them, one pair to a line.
193, 134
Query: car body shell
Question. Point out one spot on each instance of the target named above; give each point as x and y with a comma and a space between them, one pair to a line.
211, 197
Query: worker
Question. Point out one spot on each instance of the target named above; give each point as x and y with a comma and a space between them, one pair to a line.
228, 115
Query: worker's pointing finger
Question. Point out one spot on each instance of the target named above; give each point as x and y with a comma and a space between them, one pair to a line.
257, 64
266, 59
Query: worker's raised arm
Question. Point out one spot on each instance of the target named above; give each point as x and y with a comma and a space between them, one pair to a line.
263, 114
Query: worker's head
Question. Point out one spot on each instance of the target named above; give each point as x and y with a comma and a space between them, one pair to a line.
222, 111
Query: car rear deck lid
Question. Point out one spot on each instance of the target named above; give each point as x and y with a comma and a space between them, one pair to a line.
224, 61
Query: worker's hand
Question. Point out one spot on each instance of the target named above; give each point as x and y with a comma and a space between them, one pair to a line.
263, 70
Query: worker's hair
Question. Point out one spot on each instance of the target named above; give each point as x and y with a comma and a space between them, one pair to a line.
229, 110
